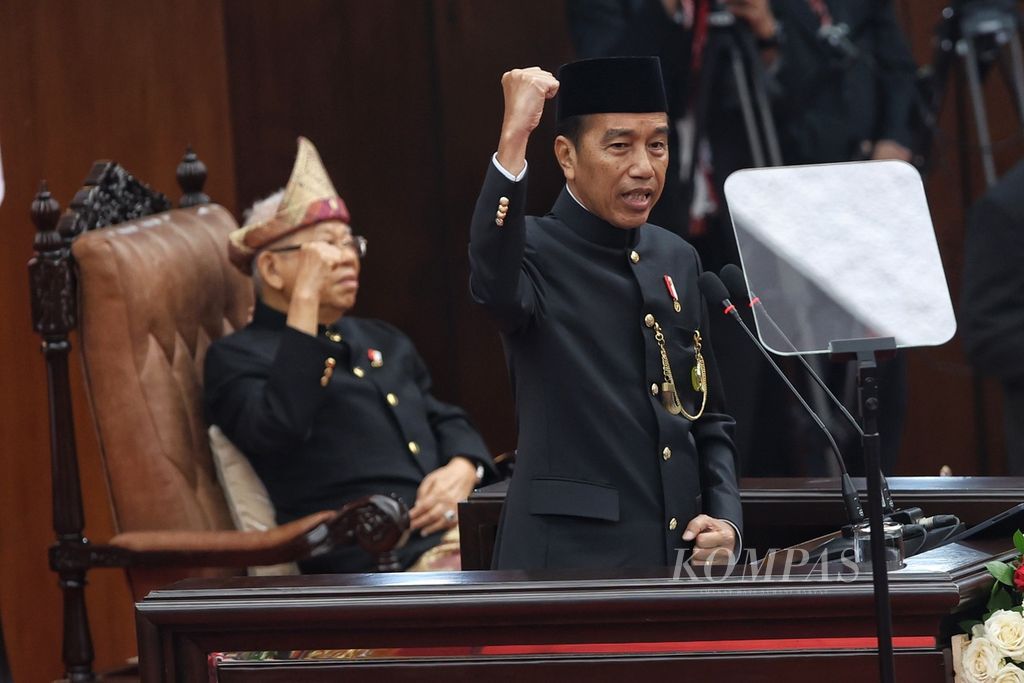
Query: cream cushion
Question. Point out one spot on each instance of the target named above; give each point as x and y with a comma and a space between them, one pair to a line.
246, 495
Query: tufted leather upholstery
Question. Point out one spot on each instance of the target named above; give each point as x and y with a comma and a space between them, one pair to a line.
154, 293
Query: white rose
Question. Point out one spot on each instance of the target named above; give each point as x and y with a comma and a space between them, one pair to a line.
981, 662
1009, 674
1006, 631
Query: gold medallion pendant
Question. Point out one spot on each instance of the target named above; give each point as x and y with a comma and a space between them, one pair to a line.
698, 377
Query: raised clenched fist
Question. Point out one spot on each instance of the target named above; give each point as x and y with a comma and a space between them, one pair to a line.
525, 91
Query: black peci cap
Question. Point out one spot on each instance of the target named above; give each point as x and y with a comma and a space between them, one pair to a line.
610, 85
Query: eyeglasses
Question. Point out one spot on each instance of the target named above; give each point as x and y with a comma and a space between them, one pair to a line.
357, 243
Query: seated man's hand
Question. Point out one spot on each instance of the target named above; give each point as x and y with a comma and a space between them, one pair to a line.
714, 540
438, 496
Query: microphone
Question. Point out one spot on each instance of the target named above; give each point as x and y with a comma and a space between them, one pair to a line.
732, 276
717, 295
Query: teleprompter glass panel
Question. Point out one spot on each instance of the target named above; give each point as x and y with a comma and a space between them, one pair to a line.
840, 251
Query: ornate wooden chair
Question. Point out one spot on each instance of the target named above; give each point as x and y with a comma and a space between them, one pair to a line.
149, 288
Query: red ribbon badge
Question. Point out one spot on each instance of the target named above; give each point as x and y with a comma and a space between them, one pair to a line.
671, 287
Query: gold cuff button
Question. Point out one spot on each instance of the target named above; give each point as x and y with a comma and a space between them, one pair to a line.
392, 400
666, 453
329, 365
672, 524
358, 372
499, 222
649, 320
414, 448
503, 201
634, 257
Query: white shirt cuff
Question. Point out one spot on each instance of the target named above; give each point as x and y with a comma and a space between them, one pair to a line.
505, 172
739, 538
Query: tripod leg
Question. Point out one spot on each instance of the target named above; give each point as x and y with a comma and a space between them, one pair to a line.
752, 56
1017, 82
969, 50
771, 137
739, 74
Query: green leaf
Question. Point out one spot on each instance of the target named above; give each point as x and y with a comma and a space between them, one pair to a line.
1018, 541
969, 624
1002, 571
1000, 600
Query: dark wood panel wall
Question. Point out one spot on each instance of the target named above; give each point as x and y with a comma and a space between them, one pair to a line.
404, 104
125, 80
940, 427
403, 99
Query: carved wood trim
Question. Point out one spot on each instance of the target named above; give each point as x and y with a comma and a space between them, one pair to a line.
378, 524
110, 195
191, 175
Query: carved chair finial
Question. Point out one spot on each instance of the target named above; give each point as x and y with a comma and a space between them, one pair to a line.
51, 277
45, 212
191, 178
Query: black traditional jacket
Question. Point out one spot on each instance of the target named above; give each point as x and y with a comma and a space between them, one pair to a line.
328, 419
605, 475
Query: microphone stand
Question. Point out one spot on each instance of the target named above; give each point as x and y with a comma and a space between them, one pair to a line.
933, 530
714, 291
732, 276
866, 353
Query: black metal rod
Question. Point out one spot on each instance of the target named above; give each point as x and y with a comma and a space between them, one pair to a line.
867, 381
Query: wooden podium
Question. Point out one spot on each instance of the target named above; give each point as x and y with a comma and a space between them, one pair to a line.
807, 623
779, 513
569, 626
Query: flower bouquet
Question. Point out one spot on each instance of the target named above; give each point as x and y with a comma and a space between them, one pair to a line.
992, 650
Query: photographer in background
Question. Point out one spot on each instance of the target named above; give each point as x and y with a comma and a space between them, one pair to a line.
847, 81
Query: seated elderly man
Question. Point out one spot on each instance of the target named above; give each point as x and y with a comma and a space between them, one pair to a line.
328, 407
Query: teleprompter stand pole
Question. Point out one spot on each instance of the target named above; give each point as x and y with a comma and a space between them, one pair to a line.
866, 353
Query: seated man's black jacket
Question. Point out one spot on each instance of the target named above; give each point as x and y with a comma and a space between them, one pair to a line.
371, 427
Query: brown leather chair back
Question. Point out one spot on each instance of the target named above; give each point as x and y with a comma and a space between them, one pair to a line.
154, 293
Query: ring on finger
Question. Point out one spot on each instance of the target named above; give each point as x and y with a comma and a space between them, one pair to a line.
449, 515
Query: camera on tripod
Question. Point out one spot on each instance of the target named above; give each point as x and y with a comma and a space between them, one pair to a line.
980, 34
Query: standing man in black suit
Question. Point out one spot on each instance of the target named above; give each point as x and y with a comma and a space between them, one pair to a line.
329, 407
624, 451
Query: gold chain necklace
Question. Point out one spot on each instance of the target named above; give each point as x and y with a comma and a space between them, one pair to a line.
698, 377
